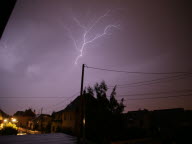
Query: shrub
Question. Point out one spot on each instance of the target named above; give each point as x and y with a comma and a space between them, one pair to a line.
9, 129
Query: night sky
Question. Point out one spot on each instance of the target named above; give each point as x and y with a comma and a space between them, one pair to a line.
44, 38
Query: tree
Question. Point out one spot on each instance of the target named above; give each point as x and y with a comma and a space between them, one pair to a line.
9, 129
111, 105
114, 106
103, 118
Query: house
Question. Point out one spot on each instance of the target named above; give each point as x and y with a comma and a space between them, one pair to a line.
69, 120
136, 124
23, 117
187, 122
138, 119
168, 118
164, 118
56, 121
41, 122
3, 115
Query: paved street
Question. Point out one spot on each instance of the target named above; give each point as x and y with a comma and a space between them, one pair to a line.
23, 130
57, 138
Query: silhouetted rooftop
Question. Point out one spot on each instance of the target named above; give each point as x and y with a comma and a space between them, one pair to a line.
28, 112
3, 113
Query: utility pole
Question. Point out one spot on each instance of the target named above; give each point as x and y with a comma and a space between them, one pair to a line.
83, 103
41, 120
41, 110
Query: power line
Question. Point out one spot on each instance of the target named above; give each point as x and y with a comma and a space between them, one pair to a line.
37, 97
62, 101
45, 97
50, 106
159, 79
158, 93
129, 72
173, 96
154, 81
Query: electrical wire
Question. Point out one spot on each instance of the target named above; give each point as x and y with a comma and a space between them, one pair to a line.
162, 97
38, 97
61, 102
129, 72
154, 81
159, 93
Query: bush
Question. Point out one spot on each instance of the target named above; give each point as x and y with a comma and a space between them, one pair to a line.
9, 129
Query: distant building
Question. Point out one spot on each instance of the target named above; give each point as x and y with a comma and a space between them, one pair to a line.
168, 118
23, 117
3, 115
187, 120
138, 119
70, 119
165, 123
41, 122
56, 121
164, 118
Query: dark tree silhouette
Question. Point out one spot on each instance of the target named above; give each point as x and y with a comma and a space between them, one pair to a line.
111, 105
114, 106
103, 117
8, 130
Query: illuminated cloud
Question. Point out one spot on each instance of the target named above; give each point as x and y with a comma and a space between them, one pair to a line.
86, 39
33, 70
8, 57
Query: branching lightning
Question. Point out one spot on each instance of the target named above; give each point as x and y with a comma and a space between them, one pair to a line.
86, 30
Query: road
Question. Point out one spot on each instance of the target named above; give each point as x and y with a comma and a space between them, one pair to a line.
27, 131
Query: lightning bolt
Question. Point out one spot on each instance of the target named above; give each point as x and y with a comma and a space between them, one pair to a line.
86, 30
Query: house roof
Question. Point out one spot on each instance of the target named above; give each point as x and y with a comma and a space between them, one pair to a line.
28, 112
40, 116
19, 113
76, 103
2, 113
169, 110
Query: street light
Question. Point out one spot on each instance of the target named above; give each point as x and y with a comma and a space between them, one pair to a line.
14, 120
5, 120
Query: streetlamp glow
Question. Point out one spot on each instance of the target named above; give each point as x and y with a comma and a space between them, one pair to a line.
14, 120
5, 120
